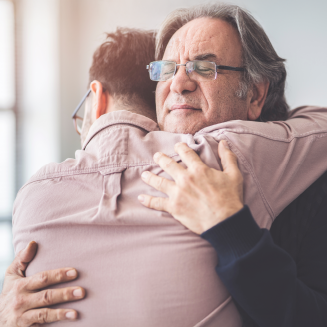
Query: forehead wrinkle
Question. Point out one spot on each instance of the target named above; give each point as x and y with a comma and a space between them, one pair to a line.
199, 42
184, 39
202, 49
174, 47
213, 40
192, 40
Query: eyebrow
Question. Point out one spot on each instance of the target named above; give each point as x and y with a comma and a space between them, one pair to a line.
206, 56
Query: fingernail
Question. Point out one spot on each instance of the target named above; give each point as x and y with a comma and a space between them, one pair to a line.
77, 292
145, 175
225, 144
71, 315
29, 244
156, 156
71, 273
140, 198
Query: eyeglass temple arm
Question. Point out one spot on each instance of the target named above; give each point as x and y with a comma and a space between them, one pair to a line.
238, 69
80, 104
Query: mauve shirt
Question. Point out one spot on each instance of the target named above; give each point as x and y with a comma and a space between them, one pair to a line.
140, 267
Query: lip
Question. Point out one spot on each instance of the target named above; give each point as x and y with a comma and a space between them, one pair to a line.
182, 106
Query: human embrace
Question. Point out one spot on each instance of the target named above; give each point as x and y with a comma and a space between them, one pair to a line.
203, 205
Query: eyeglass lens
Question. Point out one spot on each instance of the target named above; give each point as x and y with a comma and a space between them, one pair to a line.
78, 120
78, 123
197, 70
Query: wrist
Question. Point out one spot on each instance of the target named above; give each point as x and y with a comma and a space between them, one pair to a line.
222, 215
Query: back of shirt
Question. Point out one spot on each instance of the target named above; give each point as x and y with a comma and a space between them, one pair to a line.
139, 267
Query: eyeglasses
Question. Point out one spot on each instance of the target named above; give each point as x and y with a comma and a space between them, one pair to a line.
77, 120
198, 70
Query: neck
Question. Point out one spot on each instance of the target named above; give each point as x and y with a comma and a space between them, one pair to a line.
134, 105
137, 108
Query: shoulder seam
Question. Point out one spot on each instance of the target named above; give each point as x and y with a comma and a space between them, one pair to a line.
72, 172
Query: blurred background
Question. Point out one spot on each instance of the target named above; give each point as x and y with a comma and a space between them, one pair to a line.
46, 49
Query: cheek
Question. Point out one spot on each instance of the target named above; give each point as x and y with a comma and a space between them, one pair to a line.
211, 94
222, 103
162, 92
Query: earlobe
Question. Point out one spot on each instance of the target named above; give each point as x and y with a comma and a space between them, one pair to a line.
99, 105
253, 115
258, 98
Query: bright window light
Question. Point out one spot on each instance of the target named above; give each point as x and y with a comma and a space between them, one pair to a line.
7, 162
7, 55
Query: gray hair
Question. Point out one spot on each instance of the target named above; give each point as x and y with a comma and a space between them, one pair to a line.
260, 59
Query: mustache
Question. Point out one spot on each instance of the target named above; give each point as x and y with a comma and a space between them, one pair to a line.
183, 99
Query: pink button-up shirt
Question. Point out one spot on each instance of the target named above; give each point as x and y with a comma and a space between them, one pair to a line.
140, 267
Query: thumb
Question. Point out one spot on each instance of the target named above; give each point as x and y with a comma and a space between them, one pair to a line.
22, 260
227, 157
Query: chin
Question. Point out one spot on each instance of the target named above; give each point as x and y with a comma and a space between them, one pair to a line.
182, 128
182, 123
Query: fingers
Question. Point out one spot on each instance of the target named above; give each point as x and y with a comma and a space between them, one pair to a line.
22, 260
159, 183
169, 165
54, 296
50, 277
228, 159
43, 316
157, 203
29, 252
188, 156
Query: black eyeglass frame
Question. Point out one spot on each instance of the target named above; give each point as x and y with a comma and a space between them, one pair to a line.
238, 69
74, 115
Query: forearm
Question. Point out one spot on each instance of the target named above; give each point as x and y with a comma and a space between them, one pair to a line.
262, 277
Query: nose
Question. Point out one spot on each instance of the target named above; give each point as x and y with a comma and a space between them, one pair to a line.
181, 83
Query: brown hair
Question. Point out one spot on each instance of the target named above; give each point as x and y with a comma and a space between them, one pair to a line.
120, 65
260, 59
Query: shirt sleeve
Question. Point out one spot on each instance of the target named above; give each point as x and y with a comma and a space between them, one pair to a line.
278, 160
264, 280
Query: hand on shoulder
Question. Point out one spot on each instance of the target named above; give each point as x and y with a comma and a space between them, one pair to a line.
200, 196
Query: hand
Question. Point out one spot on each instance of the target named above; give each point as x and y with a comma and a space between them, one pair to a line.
21, 301
201, 196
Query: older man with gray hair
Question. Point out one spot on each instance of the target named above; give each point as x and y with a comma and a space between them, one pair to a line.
275, 286
233, 37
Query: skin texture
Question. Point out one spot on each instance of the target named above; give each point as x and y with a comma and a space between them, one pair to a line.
213, 101
200, 197
21, 301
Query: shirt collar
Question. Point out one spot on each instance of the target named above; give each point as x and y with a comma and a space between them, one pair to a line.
120, 117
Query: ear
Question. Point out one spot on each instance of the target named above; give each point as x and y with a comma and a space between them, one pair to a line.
257, 99
100, 101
